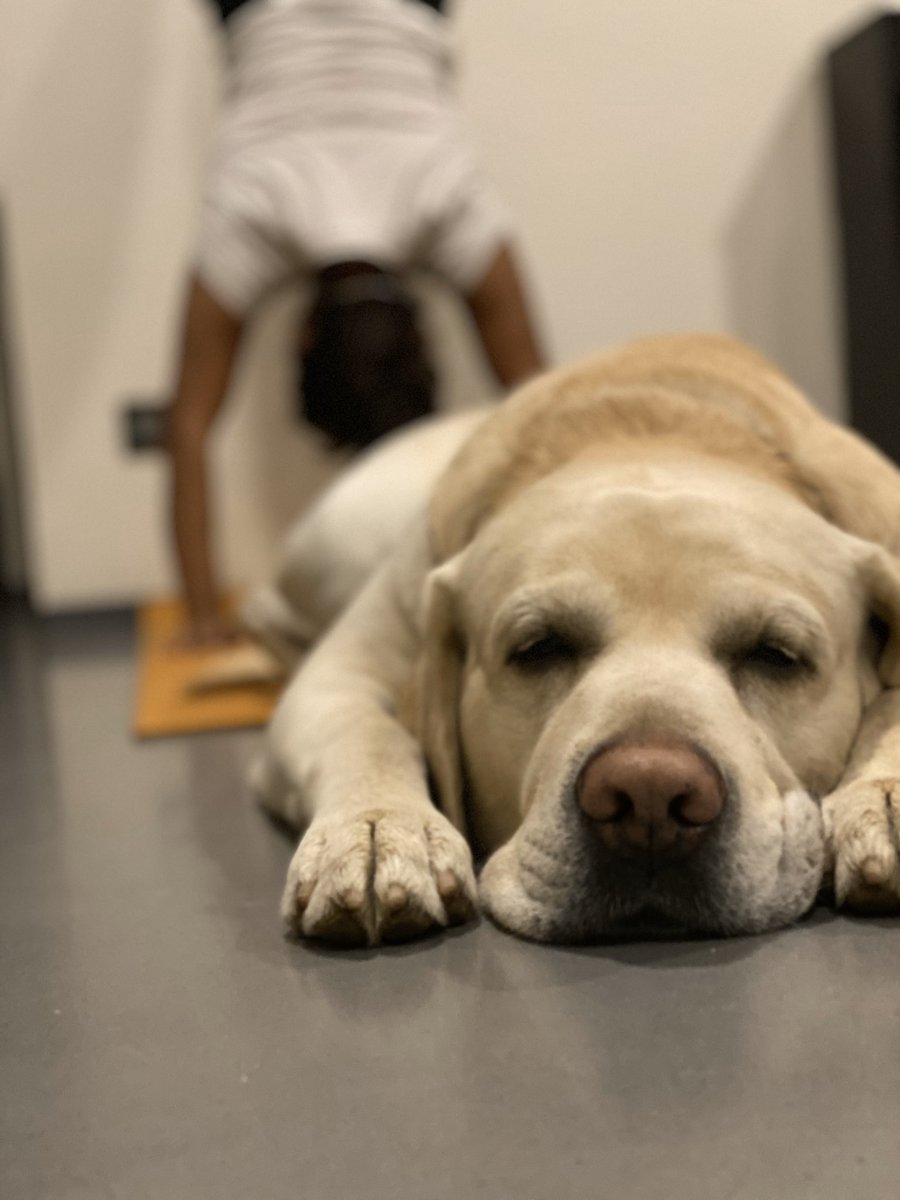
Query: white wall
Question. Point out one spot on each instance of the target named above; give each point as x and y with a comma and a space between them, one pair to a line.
665, 163
103, 114
669, 166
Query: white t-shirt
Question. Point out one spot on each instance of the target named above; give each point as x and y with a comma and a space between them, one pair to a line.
341, 140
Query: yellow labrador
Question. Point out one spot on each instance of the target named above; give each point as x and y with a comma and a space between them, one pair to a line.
642, 653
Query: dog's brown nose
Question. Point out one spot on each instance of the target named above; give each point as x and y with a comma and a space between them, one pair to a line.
651, 799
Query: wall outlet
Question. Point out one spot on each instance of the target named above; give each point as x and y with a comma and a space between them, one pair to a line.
145, 425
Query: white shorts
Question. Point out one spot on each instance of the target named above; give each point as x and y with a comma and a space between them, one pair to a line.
309, 170
398, 200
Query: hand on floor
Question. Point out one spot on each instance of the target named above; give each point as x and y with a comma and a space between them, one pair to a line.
209, 633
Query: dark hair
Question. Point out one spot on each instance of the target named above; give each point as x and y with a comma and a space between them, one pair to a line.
364, 365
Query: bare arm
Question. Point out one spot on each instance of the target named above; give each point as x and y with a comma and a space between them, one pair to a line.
500, 310
211, 338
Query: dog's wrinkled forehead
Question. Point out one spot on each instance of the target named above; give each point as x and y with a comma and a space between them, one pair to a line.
659, 538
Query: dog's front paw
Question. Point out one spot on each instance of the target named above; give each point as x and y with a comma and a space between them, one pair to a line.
862, 823
381, 875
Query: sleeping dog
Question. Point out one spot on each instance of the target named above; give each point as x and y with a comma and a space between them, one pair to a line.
637, 646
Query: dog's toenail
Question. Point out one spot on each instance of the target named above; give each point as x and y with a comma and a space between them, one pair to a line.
397, 898
874, 872
351, 899
448, 884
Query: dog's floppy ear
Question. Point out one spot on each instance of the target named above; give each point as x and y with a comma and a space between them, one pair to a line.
881, 575
437, 693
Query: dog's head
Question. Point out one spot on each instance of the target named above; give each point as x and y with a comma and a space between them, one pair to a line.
639, 679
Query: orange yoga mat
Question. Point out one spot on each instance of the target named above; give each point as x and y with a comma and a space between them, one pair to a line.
174, 695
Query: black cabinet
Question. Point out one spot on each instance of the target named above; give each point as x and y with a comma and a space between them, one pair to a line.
864, 97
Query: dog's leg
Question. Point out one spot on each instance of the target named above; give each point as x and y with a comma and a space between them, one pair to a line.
862, 816
378, 862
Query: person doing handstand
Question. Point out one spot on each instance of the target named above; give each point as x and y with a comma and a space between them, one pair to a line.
340, 157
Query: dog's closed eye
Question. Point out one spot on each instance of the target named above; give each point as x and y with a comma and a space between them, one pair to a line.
540, 630
543, 651
780, 643
773, 659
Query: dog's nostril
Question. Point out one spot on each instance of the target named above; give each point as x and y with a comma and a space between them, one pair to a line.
693, 809
622, 806
608, 805
678, 806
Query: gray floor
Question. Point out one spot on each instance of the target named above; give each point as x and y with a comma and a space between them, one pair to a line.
161, 1040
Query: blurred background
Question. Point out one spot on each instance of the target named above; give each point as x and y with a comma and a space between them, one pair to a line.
668, 167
